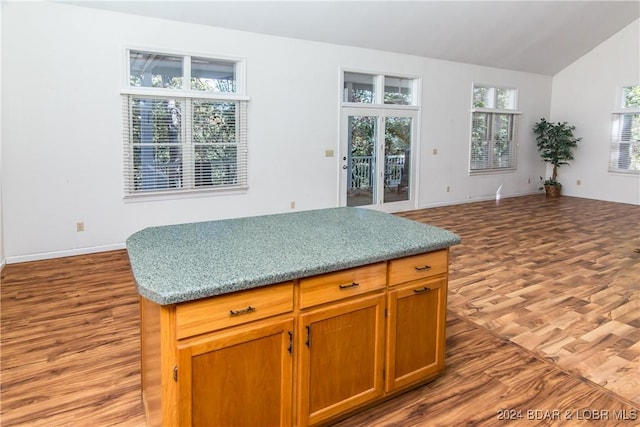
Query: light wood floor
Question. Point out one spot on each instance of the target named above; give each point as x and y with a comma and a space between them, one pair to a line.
543, 316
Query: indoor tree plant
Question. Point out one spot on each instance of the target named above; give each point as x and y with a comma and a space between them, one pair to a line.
555, 145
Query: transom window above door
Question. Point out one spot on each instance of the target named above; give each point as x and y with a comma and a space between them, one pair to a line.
362, 88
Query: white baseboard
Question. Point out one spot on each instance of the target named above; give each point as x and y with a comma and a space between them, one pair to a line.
60, 254
473, 200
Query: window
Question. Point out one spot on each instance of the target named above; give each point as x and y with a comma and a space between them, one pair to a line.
625, 141
494, 123
378, 89
184, 124
359, 88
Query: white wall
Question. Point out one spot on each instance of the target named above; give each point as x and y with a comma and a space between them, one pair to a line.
585, 95
2, 257
62, 70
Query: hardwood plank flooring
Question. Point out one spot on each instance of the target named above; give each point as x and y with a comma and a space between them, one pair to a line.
491, 382
70, 343
559, 277
543, 316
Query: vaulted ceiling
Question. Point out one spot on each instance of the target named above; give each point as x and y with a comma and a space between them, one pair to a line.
533, 36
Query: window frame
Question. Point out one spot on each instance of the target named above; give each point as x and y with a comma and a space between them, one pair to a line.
616, 133
188, 146
492, 114
379, 87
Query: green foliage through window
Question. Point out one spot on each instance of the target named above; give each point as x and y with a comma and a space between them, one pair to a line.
631, 98
493, 97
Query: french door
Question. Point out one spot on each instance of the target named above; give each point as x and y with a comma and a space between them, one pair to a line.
376, 158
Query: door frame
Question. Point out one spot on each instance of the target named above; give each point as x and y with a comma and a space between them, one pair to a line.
381, 114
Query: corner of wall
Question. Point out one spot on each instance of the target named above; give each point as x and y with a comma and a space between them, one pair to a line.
3, 260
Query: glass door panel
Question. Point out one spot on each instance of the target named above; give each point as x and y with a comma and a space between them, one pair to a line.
362, 133
397, 159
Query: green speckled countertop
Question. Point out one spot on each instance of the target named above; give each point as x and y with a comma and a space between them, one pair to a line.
178, 263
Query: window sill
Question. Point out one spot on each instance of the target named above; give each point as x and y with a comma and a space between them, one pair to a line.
631, 173
156, 196
492, 171
381, 106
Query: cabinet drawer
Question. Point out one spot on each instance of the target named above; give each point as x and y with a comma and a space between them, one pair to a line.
341, 284
418, 266
197, 317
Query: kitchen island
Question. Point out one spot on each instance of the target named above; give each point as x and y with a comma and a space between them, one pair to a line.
288, 319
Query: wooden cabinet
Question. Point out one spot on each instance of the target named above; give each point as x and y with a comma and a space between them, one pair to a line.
220, 361
340, 341
300, 353
418, 267
341, 357
416, 319
242, 377
416, 332
237, 308
336, 286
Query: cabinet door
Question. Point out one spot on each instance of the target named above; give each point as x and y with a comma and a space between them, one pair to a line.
341, 350
242, 377
416, 332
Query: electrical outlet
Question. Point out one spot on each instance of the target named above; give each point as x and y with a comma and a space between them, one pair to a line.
79, 226
293, 204
328, 153
578, 182
435, 151
448, 189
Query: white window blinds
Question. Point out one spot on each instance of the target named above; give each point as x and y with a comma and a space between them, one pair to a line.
625, 143
625, 136
174, 143
493, 144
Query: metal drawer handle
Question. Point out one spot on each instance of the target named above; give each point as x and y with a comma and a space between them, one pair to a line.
425, 268
351, 285
243, 311
421, 290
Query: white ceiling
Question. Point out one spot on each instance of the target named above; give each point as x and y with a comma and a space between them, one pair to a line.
534, 36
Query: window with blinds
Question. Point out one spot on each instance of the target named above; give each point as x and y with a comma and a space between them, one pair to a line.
494, 124
179, 139
625, 140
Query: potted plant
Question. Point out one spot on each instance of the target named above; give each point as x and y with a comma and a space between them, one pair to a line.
555, 145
